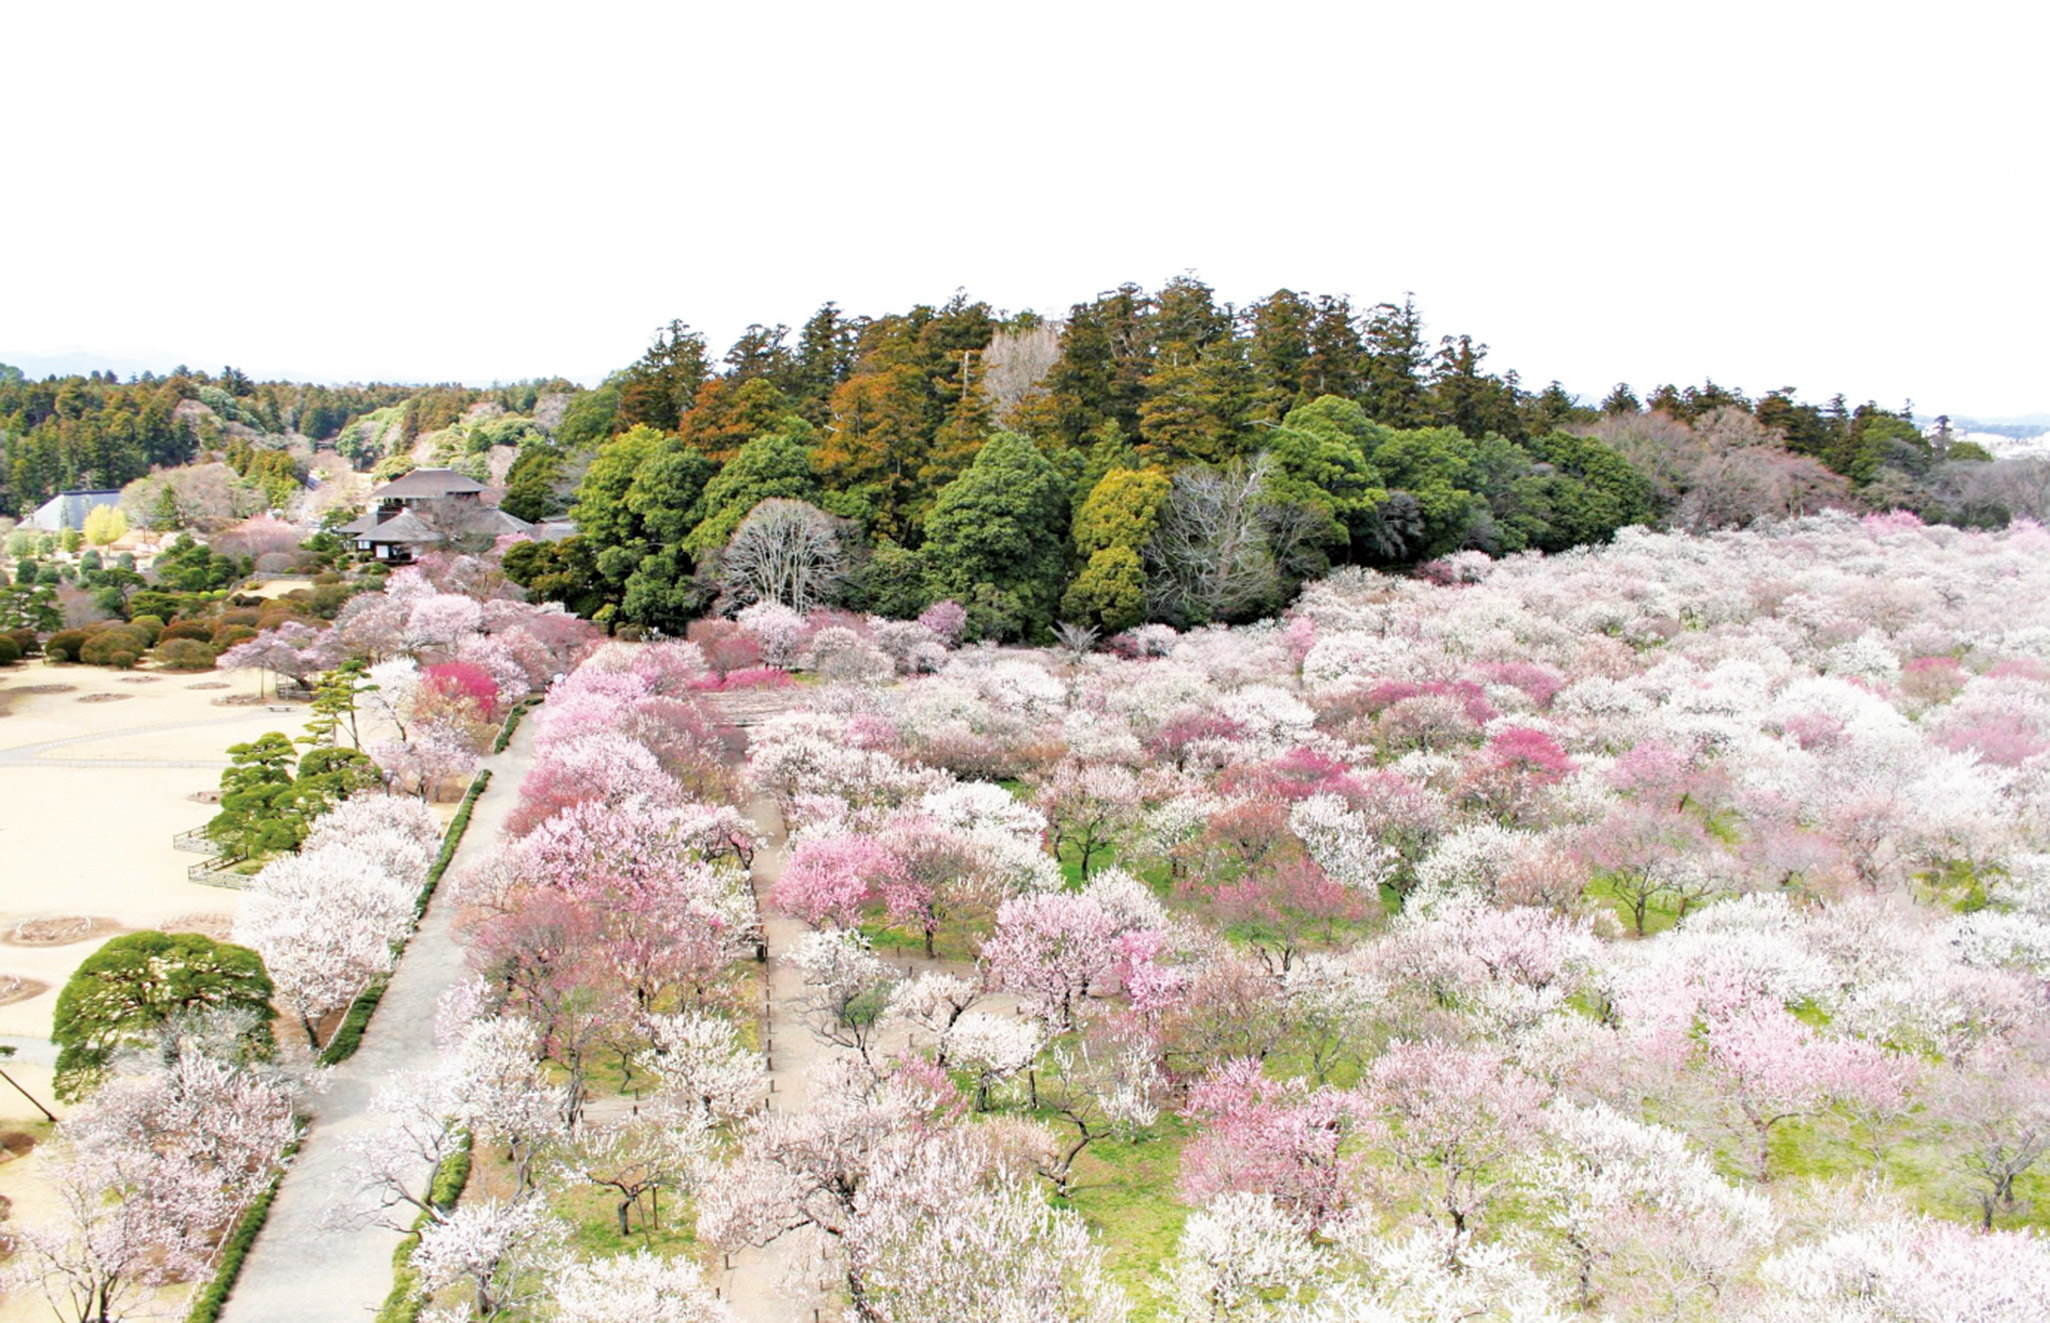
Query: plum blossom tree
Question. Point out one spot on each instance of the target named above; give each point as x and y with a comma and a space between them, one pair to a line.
326, 923
1088, 807
1646, 1222
1235, 1257
1450, 1119
432, 753
1052, 951
1097, 1087
636, 1286
702, 1066
846, 989
637, 1159
148, 1177
803, 1173
1762, 1067
1998, 1102
500, 1255
1909, 1269
1280, 1138
828, 880
950, 1229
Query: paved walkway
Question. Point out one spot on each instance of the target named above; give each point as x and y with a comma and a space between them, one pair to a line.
303, 1270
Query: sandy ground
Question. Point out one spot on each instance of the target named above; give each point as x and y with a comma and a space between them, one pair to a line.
90, 795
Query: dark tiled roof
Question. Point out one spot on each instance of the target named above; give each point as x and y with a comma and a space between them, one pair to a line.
426, 484
399, 528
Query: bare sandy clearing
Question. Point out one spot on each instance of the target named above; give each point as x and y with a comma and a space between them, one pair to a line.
95, 840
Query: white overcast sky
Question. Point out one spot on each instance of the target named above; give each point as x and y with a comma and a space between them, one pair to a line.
1830, 196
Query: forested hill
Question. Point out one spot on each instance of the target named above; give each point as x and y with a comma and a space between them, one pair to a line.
1147, 435
90, 431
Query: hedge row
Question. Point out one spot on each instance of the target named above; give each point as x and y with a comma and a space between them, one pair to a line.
350, 1036
512, 721
405, 1302
211, 1298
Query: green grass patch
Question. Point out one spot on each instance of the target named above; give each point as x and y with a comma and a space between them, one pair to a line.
593, 1214
1125, 1188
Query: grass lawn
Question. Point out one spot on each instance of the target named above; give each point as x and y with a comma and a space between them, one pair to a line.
1126, 1191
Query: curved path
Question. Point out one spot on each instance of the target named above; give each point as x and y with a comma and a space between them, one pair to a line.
31, 755
303, 1268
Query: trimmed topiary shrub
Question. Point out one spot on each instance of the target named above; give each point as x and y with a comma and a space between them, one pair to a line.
184, 655
119, 647
10, 651
63, 646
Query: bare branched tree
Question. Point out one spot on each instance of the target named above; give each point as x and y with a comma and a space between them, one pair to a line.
1015, 365
1211, 557
784, 551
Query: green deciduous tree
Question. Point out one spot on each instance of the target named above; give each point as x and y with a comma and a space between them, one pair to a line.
141, 992
778, 463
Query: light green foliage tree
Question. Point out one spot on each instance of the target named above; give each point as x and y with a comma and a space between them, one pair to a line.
778, 463
1320, 464
996, 540
1112, 528
105, 524
143, 991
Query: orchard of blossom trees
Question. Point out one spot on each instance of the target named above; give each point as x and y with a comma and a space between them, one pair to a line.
1659, 930
419, 674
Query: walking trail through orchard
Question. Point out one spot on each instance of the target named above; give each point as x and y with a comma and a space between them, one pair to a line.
304, 1268
307, 1268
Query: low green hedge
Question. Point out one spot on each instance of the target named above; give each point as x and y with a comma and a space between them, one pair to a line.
350, 1036
450, 839
211, 1298
405, 1302
512, 721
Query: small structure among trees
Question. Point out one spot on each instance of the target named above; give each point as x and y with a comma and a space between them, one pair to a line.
426, 509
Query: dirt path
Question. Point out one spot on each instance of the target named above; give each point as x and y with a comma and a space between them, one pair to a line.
302, 1269
755, 1286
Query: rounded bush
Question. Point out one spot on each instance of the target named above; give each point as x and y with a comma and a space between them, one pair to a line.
63, 646
184, 655
10, 651
107, 647
186, 629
